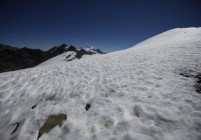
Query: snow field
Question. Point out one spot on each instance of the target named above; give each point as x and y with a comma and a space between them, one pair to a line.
135, 94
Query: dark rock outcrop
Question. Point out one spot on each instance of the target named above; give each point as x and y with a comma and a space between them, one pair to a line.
19, 58
57, 50
197, 77
198, 84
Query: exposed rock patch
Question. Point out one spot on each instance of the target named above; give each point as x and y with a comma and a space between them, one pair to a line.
198, 85
51, 122
87, 107
33, 106
197, 77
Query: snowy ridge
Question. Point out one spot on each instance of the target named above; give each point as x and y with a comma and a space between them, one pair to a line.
135, 94
185, 35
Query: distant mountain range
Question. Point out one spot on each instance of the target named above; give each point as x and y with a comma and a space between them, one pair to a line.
13, 58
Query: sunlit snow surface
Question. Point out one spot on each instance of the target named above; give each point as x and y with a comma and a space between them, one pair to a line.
135, 94
65, 57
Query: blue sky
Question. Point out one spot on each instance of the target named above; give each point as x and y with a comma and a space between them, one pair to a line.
106, 24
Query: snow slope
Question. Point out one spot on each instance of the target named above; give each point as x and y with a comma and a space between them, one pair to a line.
135, 94
64, 57
72, 55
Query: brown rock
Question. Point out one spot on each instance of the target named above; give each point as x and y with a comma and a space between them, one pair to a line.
51, 122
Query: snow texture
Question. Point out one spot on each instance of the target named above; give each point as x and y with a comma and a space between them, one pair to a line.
134, 94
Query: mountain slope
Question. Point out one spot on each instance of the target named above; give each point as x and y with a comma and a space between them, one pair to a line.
7, 47
147, 92
12, 58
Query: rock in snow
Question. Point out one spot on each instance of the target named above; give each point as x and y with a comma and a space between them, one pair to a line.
140, 93
51, 122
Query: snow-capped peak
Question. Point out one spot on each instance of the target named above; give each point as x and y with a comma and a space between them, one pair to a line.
93, 50
89, 47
